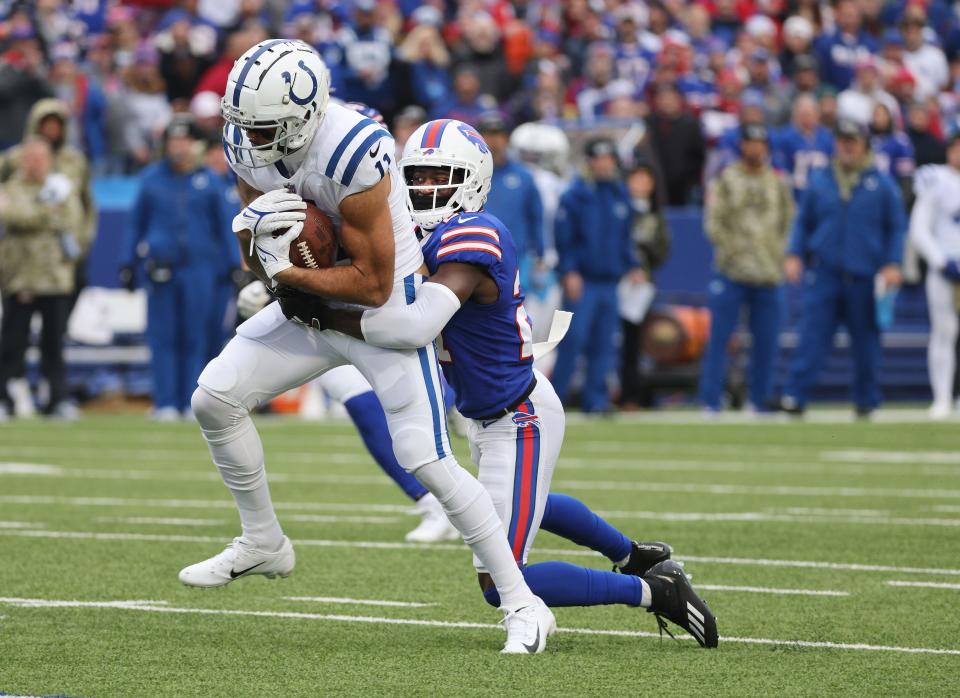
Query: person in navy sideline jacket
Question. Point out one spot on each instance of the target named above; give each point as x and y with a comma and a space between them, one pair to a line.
228, 271
181, 235
514, 197
849, 230
595, 251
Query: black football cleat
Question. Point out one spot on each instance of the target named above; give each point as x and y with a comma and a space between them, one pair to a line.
643, 556
675, 600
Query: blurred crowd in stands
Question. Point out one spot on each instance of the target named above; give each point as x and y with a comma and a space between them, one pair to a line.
684, 74
653, 97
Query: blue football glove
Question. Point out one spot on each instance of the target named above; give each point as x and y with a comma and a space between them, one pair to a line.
952, 270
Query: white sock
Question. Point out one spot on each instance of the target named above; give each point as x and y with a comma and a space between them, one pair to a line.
646, 596
623, 562
237, 451
469, 507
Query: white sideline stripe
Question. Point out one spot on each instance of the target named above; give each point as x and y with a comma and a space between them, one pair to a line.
754, 516
197, 504
333, 518
159, 521
820, 511
924, 585
569, 552
360, 602
600, 485
770, 590
721, 489
633, 466
815, 564
30, 469
21, 524
145, 607
878, 456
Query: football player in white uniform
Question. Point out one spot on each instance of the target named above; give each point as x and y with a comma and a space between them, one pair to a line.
935, 232
281, 137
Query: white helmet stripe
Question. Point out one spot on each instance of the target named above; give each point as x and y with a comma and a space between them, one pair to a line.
249, 64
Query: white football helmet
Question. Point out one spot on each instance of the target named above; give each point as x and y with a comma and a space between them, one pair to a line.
542, 145
447, 143
277, 84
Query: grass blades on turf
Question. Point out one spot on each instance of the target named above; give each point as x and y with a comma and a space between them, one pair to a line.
108, 509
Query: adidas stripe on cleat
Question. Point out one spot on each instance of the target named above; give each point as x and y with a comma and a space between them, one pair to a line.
674, 599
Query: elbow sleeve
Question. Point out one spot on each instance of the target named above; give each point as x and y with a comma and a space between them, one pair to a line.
414, 325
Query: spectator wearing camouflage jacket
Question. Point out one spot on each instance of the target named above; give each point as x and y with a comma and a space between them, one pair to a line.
40, 217
748, 217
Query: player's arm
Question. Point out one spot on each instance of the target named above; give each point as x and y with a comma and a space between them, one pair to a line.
366, 234
419, 323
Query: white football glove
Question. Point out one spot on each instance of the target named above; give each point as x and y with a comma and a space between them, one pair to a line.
274, 252
252, 298
270, 212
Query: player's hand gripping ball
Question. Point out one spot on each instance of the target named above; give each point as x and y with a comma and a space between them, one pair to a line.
302, 235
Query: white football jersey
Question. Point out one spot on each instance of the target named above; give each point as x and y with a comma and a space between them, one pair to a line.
350, 153
935, 219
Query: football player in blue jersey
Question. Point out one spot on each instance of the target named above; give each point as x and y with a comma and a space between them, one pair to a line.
473, 304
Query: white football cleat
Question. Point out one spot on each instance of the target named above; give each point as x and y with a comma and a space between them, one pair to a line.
434, 525
940, 411
528, 628
239, 559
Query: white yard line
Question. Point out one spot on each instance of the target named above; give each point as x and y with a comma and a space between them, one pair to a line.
31, 469
766, 490
333, 518
924, 585
771, 590
947, 508
867, 519
145, 607
360, 602
755, 516
459, 548
745, 516
718, 489
197, 504
883, 456
21, 524
159, 521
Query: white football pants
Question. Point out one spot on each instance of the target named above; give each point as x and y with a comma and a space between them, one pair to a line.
271, 354
941, 359
516, 456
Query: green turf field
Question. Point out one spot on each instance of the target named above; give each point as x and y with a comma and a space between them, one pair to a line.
802, 537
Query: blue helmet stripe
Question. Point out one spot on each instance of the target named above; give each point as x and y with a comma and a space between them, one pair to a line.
359, 153
249, 64
338, 153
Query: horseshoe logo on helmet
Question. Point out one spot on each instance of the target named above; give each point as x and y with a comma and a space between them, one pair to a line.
288, 78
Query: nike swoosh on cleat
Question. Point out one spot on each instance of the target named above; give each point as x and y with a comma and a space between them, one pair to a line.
234, 574
532, 649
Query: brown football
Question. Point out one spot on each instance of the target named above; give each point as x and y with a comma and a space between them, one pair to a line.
316, 247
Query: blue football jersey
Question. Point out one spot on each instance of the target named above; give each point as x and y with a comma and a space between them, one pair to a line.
486, 350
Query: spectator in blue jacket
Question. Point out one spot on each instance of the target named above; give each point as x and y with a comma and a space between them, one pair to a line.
181, 235
849, 230
595, 251
514, 197
840, 50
